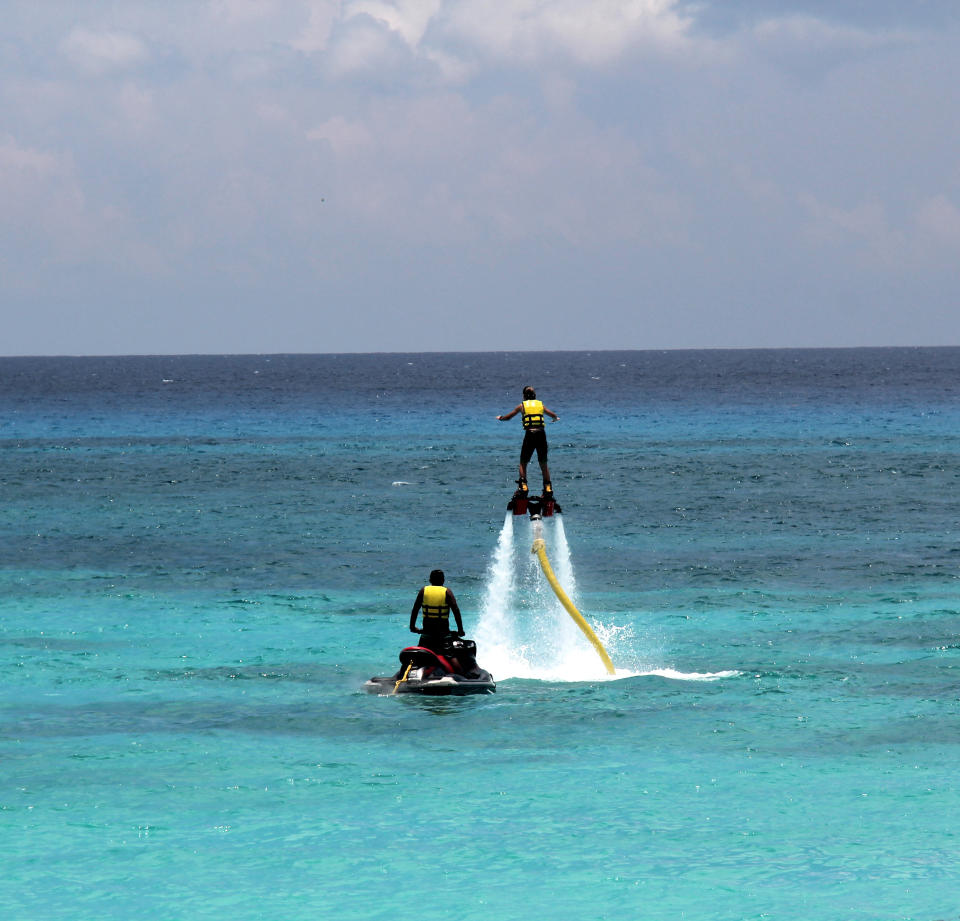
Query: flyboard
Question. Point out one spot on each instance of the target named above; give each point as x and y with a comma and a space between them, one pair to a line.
537, 507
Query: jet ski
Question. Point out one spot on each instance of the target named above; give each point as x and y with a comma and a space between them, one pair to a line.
537, 507
423, 671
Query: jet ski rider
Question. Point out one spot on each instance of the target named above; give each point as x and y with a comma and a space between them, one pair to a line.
534, 437
437, 602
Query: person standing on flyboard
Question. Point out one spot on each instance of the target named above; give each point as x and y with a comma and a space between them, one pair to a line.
534, 437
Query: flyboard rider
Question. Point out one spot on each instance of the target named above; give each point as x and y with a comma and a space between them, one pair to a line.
534, 437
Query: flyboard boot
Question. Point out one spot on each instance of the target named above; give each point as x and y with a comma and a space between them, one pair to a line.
518, 503
548, 501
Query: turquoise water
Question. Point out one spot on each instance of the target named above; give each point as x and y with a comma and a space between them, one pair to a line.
204, 558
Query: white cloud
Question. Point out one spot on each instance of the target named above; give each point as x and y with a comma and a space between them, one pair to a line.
315, 35
408, 18
47, 214
346, 138
137, 107
244, 11
360, 36
18, 163
365, 46
810, 47
102, 52
938, 220
592, 32
438, 171
926, 236
866, 224
810, 32
452, 33
42, 199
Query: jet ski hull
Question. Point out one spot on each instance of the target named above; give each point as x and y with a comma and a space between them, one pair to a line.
445, 685
425, 671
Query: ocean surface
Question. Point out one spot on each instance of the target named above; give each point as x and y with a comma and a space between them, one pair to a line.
204, 558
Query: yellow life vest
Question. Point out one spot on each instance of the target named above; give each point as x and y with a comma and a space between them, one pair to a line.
436, 611
532, 414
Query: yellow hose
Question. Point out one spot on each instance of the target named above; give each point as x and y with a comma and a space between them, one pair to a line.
540, 549
404, 678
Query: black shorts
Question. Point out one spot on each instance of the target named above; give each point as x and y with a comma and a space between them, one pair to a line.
534, 440
436, 642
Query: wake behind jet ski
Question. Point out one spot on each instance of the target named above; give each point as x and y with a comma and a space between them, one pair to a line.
424, 671
522, 503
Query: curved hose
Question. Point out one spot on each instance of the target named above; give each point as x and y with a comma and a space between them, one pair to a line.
404, 678
540, 549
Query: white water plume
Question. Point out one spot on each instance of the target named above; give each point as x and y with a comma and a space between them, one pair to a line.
524, 631
493, 611
562, 564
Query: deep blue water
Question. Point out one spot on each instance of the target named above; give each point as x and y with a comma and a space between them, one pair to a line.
204, 557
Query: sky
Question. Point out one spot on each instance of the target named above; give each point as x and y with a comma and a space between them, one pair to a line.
264, 176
